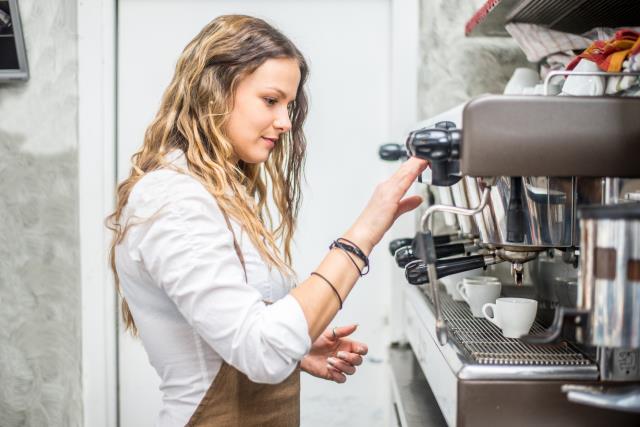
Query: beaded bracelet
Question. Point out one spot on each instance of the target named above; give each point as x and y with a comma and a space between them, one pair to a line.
335, 291
352, 248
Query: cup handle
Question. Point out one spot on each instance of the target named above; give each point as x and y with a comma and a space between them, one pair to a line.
462, 291
492, 318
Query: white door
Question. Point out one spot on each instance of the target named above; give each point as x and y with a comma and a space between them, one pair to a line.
347, 43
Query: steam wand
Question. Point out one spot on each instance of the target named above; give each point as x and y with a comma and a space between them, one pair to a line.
425, 249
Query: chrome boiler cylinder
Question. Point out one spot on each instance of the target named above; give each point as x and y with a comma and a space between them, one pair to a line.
609, 281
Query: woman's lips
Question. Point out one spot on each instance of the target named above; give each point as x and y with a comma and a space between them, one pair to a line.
270, 142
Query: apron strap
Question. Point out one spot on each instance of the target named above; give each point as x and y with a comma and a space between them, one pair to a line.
236, 246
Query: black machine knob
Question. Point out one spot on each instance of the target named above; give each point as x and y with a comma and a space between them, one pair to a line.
392, 152
446, 125
441, 146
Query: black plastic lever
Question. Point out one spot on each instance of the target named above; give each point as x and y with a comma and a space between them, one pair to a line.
441, 146
405, 255
392, 152
416, 271
396, 244
441, 239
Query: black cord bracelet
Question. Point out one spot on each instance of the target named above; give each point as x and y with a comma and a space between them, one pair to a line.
353, 261
352, 248
335, 291
357, 251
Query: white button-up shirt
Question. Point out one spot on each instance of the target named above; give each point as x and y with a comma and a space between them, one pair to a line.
187, 293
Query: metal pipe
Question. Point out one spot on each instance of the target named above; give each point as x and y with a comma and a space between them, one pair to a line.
427, 222
427, 225
556, 73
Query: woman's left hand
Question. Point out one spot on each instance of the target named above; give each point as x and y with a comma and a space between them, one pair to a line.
333, 356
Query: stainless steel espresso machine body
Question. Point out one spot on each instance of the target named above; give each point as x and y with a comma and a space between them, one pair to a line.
609, 286
524, 190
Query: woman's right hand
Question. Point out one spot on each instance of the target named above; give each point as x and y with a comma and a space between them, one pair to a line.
317, 295
386, 205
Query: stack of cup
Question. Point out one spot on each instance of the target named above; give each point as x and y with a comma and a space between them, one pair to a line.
478, 291
451, 282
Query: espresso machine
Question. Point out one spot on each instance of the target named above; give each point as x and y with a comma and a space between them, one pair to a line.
548, 186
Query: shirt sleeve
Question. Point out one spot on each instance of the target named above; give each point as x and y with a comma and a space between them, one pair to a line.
188, 251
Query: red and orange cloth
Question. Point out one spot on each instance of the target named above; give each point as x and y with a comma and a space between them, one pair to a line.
610, 54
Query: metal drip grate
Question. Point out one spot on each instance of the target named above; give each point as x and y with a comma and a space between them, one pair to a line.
484, 342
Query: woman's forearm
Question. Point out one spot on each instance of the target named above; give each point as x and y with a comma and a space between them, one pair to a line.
318, 301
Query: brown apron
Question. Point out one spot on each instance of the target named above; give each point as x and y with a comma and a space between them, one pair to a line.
234, 400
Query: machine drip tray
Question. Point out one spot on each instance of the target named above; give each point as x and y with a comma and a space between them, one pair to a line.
484, 343
480, 378
477, 350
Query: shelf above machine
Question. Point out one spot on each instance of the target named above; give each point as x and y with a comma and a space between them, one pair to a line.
577, 16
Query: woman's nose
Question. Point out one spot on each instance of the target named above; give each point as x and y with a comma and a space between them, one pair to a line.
283, 122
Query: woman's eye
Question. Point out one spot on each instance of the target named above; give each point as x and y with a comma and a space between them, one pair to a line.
271, 101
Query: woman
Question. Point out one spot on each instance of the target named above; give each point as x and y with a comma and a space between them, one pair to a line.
195, 248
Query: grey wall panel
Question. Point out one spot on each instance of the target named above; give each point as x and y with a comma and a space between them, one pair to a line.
40, 340
456, 68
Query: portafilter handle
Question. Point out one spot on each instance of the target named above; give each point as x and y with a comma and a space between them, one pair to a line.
405, 254
441, 239
417, 272
396, 244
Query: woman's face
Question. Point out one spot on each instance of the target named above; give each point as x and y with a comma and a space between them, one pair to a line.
260, 112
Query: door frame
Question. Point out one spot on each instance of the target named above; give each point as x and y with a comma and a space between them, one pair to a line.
97, 24
97, 123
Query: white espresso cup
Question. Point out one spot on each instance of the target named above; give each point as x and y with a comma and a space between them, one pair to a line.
514, 316
479, 290
455, 293
451, 282
452, 289
521, 79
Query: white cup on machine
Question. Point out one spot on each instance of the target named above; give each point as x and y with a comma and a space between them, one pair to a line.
521, 79
452, 289
478, 291
514, 316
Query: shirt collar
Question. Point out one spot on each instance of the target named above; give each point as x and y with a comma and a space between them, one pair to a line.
177, 158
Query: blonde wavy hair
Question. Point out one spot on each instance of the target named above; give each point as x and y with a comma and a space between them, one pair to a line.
192, 117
